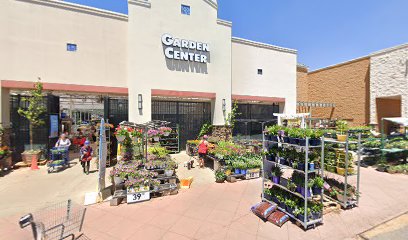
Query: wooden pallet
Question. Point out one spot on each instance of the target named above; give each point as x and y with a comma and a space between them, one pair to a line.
330, 206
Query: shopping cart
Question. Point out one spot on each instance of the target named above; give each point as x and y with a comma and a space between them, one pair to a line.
59, 221
58, 159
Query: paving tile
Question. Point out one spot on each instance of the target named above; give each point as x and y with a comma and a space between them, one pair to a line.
175, 236
270, 231
248, 224
186, 226
209, 230
221, 217
297, 233
198, 212
225, 205
148, 232
234, 234
165, 220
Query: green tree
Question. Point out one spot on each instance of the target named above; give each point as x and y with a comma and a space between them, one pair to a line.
35, 110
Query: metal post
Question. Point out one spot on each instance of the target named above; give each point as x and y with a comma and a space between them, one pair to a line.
358, 167
322, 170
263, 162
346, 171
306, 179
68, 208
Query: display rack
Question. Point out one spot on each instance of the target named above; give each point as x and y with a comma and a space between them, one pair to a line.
344, 200
305, 222
171, 142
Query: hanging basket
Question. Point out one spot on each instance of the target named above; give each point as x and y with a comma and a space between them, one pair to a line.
166, 134
156, 139
120, 138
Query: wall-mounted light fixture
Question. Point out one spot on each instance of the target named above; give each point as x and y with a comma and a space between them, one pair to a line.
224, 105
139, 101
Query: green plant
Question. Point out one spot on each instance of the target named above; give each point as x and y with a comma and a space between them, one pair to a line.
273, 130
317, 208
206, 128
290, 185
318, 182
298, 211
220, 174
290, 203
158, 151
231, 117
276, 171
171, 164
341, 126
35, 110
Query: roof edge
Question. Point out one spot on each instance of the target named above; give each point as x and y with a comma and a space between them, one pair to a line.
224, 22
390, 49
341, 64
212, 4
263, 45
79, 8
141, 3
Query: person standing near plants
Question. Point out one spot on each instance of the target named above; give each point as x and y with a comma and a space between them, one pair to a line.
202, 150
64, 143
86, 156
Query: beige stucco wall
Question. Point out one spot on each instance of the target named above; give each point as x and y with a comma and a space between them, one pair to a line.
33, 38
278, 66
149, 69
389, 79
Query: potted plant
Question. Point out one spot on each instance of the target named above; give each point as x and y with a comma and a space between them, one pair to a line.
317, 187
306, 191
154, 134
290, 205
243, 167
155, 183
165, 131
34, 113
301, 161
315, 137
303, 134
115, 175
169, 168
220, 176
281, 200
136, 134
273, 132
316, 210
293, 134
236, 165
301, 214
341, 164
290, 185
341, 127
268, 194
121, 133
330, 162
276, 173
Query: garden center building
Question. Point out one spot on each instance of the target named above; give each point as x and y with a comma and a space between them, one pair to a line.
167, 60
362, 91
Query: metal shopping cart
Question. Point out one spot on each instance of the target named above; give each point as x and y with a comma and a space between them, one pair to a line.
58, 159
59, 221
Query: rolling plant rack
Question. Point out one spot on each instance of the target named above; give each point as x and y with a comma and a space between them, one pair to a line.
305, 222
345, 202
172, 142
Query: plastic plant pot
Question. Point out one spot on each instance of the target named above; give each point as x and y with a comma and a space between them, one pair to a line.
314, 142
302, 142
237, 171
301, 166
276, 179
311, 166
316, 190
286, 140
274, 138
243, 171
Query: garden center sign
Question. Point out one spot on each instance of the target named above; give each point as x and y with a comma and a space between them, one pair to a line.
175, 45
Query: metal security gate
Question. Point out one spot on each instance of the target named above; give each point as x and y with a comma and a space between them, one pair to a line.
251, 116
116, 110
189, 115
20, 136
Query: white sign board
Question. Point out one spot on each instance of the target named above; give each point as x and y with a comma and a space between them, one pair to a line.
186, 50
138, 197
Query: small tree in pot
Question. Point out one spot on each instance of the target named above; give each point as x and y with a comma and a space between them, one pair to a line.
34, 114
341, 126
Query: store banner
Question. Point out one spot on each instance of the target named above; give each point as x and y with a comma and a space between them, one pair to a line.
54, 126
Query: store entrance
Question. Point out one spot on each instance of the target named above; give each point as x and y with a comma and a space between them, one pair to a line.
190, 116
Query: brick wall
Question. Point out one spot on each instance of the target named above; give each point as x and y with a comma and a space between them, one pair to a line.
301, 84
346, 85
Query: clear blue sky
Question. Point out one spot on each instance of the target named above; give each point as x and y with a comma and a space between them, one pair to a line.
324, 32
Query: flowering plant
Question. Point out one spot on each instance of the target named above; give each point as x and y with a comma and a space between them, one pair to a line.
123, 131
153, 133
137, 133
165, 129
140, 179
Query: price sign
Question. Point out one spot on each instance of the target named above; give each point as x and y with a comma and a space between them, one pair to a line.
138, 197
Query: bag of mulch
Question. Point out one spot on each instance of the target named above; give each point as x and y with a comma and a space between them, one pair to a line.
263, 209
278, 218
